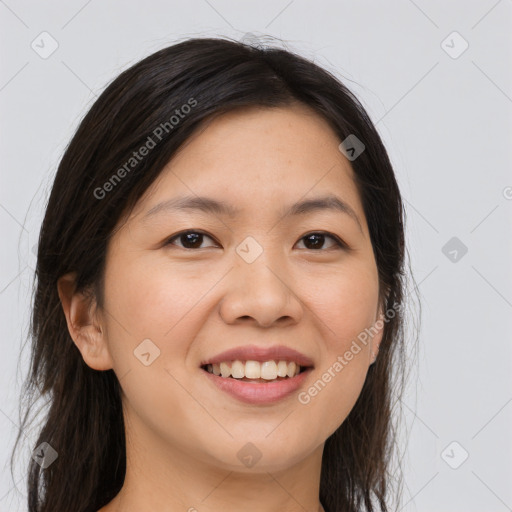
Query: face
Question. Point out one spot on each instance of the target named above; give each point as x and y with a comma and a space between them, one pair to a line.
185, 284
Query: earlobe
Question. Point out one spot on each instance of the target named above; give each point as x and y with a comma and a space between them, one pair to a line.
83, 326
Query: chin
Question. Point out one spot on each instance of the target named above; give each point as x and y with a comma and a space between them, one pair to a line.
259, 455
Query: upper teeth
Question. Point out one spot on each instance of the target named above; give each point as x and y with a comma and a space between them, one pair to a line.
267, 370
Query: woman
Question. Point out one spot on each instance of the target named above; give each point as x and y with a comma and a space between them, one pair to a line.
218, 311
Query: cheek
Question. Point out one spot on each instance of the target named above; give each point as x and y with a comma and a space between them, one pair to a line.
156, 301
161, 305
167, 306
333, 394
346, 306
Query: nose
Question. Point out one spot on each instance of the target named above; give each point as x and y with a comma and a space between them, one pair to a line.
261, 292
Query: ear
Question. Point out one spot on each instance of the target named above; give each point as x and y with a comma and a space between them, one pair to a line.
84, 327
378, 330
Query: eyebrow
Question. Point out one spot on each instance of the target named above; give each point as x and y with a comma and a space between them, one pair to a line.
212, 206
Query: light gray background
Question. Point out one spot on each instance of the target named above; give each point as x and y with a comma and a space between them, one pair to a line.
447, 123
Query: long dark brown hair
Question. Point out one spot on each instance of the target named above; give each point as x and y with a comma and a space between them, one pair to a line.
84, 420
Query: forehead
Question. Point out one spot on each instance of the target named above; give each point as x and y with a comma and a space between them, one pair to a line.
265, 139
256, 158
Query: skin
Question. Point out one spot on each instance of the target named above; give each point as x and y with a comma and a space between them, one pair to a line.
183, 434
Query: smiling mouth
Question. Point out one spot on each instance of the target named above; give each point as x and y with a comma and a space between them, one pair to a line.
255, 383
253, 372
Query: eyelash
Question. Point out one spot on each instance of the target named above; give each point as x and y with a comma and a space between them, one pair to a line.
340, 244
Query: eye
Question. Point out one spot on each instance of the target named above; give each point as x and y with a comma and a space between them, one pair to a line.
317, 239
190, 239
193, 239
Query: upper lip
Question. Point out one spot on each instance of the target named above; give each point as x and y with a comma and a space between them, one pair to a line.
261, 354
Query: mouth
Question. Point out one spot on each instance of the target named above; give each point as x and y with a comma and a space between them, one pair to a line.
272, 384
254, 371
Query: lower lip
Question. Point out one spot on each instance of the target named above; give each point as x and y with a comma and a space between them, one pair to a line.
259, 392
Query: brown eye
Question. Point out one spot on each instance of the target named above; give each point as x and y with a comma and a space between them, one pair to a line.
189, 239
316, 241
